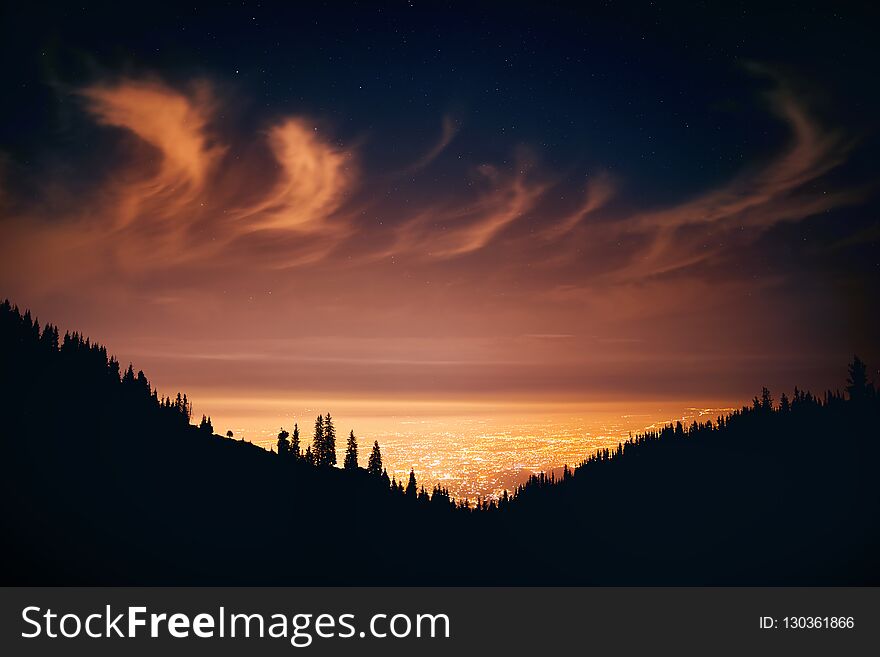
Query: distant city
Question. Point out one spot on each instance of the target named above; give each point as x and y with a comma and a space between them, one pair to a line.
479, 457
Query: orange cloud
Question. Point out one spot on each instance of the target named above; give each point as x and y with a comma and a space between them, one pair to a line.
187, 197
811, 154
176, 127
696, 230
313, 180
173, 123
599, 190
169, 204
453, 231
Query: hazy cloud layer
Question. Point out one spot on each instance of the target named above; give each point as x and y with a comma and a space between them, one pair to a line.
295, 237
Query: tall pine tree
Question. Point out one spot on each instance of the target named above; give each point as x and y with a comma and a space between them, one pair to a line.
857, 381
374, 464
318, 441
294, 443
351, 453
329, 454
411, 488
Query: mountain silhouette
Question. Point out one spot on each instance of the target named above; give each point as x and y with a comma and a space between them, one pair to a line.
105, 482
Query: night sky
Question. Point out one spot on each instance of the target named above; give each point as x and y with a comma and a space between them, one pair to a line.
448, 201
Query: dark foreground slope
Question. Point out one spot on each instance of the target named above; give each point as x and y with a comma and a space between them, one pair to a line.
104, 483
769, 496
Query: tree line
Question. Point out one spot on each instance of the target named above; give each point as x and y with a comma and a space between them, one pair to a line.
321, 453
93, 364
765, 418
107, 481
322, 450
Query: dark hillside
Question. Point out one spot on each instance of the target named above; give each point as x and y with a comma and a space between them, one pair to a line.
106, 482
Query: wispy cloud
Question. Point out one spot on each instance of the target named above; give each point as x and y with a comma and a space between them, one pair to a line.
187, 196
462, 227
314, 178
449, 129
504, 277
739, 211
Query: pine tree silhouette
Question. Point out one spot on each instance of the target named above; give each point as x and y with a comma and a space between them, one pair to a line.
766, 400
857, 380
328, 457
294, 443
351, 453
784, 404
283, 444
317, 452
374, 464
205, 425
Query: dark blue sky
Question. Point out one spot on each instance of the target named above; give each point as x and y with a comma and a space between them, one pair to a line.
661, 94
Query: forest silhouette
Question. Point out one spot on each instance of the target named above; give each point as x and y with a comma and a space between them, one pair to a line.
106, 482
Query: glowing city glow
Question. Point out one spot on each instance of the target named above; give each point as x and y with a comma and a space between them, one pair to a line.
474, 449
